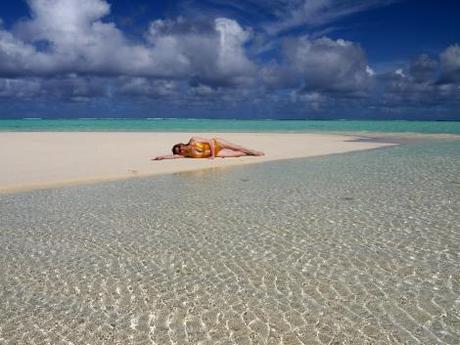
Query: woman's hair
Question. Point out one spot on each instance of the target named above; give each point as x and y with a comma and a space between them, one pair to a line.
176, 148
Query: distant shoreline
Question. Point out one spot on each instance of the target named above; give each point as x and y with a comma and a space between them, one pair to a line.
149, 118
228, 126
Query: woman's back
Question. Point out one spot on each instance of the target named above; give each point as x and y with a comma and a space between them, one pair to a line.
199, 150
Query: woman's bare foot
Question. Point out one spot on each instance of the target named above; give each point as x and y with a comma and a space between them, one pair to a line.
257, 153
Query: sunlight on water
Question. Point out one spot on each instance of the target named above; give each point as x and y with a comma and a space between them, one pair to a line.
359, 248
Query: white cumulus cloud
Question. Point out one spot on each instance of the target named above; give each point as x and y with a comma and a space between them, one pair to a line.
328, 65
69, 36
450, 63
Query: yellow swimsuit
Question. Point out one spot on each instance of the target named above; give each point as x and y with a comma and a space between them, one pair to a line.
203, 150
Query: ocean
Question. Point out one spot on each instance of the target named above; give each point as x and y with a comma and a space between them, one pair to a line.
356, 248
205, 125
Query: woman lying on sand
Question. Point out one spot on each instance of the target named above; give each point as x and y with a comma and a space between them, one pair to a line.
204, 148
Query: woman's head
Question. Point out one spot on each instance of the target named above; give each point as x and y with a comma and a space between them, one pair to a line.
178, 149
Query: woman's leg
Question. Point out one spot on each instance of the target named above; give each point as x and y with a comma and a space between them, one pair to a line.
230, 153
224, 144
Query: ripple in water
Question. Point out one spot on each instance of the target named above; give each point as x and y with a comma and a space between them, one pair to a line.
359, 248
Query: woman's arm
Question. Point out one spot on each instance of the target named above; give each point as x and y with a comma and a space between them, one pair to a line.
159, 158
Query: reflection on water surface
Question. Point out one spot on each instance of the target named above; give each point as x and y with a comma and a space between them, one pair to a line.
359, 248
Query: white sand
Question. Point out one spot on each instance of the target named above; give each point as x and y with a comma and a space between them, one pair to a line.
45, 159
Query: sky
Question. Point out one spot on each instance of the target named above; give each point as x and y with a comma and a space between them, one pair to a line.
248, 59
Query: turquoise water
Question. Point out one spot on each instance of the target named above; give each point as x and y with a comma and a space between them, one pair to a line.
357, 248
196, 125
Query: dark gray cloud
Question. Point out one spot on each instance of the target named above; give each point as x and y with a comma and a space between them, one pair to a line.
70, 88
19, 88
321, 65
419, 86
329, 65
423, 69
145, 87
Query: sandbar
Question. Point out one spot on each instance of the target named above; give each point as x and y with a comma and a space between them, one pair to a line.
37, 160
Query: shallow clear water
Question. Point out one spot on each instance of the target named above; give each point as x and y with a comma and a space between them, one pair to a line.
359, 248
203, 125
